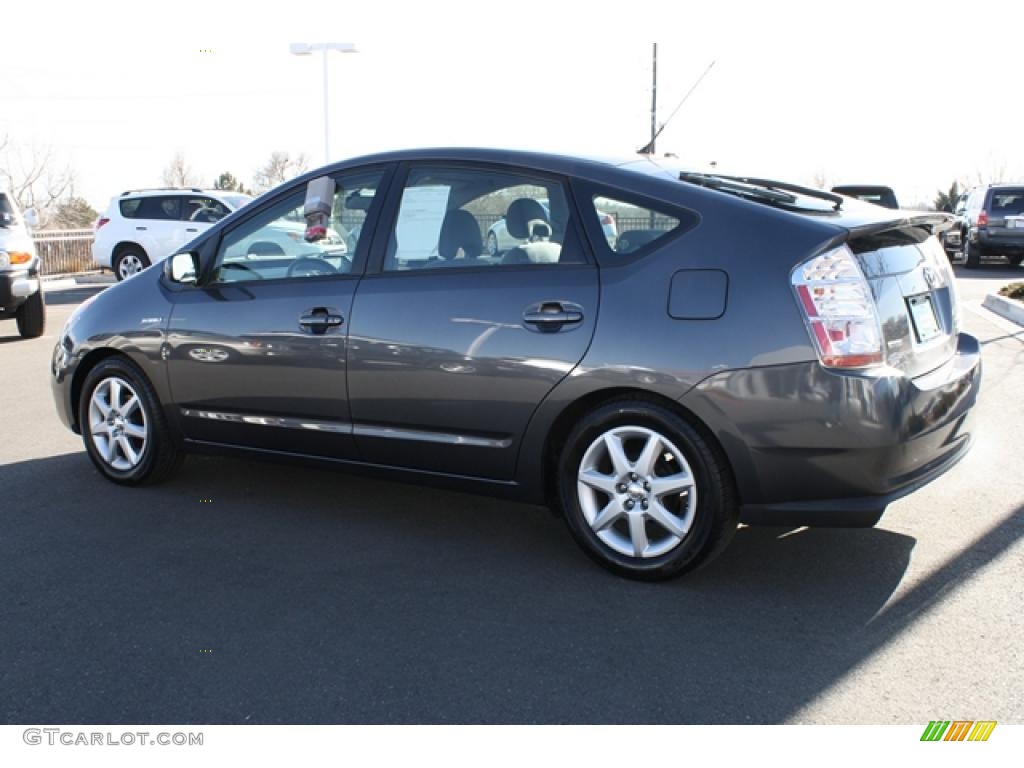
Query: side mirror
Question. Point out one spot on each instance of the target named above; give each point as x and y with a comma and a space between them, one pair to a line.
31, 217
183, 268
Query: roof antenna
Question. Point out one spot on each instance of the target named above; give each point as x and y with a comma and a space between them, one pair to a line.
648, 149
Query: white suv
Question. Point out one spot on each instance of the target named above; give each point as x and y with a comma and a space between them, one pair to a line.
21, 294
144, 226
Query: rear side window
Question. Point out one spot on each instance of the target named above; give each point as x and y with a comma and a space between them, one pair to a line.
627, 228
159, 208
1008, 202
130, 207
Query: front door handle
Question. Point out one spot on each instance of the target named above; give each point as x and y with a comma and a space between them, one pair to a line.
141, 229
320, 319
552, 315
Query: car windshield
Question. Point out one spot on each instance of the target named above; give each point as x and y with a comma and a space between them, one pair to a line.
7, 216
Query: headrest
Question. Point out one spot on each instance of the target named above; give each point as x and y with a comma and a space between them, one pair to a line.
459, 230
523, 216
265, 248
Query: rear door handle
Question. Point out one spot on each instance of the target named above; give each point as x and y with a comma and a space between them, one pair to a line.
320, 319
552, 315
192, 229
141, 229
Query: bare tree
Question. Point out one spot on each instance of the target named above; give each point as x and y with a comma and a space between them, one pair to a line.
278, 169
178, 173
35, 177
820, 180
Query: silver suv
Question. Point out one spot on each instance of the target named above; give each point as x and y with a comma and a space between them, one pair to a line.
144, 226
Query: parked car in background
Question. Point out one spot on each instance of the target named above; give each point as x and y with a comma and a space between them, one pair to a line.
993, 224
143, 226
883, 196
953, 238
21, 292
749, 351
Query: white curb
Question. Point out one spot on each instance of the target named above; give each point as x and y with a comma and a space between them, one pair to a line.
1004, 307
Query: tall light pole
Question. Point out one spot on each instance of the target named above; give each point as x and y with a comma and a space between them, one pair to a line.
306, 49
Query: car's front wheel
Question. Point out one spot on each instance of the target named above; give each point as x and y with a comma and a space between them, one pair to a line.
123, 426
130, 261
643, 493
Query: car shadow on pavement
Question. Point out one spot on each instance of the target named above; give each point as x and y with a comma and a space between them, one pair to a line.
249, 592
73, 295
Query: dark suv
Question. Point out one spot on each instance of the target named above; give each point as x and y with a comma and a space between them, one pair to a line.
741, 350
993, 224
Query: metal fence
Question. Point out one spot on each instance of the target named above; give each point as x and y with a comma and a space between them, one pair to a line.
65, 250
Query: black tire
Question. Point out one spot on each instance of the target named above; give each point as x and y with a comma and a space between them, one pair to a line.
1015, 260
31, 316
716, 514
160, 455
127, 259
972, 255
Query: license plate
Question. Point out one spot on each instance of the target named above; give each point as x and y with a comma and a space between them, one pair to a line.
1015, 223
922, 313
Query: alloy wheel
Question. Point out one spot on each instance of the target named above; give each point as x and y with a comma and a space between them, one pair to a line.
637, 491
117, 423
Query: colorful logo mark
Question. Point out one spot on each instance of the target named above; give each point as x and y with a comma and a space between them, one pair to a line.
958, 730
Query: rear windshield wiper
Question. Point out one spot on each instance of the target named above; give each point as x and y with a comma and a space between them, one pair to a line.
765, 190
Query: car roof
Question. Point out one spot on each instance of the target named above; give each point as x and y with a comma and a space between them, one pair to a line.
154, 191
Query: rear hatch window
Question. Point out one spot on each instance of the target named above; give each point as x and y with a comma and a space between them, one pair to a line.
915, 294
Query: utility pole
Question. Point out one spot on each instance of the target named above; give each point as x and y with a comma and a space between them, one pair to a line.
654, 99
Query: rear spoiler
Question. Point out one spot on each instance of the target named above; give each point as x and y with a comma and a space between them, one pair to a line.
933, 221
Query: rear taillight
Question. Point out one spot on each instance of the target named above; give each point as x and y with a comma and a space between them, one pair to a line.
101, 221
839, 310
983, 218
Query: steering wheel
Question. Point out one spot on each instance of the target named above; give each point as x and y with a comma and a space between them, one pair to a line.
241, 266
306, 266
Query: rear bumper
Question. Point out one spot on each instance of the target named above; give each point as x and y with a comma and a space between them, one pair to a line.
1000, 243
812, 447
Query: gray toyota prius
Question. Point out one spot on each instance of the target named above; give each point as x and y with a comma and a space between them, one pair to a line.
726, 349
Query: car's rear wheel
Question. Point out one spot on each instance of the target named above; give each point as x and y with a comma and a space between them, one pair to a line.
492, 245
31, 316
130, 261
972, 254
123, 426
643, 493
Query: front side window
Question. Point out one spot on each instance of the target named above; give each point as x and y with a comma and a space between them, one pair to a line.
627, 227
457, 217
272, 244
204, 210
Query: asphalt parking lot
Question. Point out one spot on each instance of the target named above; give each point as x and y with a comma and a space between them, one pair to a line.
247, 592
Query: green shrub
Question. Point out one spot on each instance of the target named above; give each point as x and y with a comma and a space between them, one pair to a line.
1013, 291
